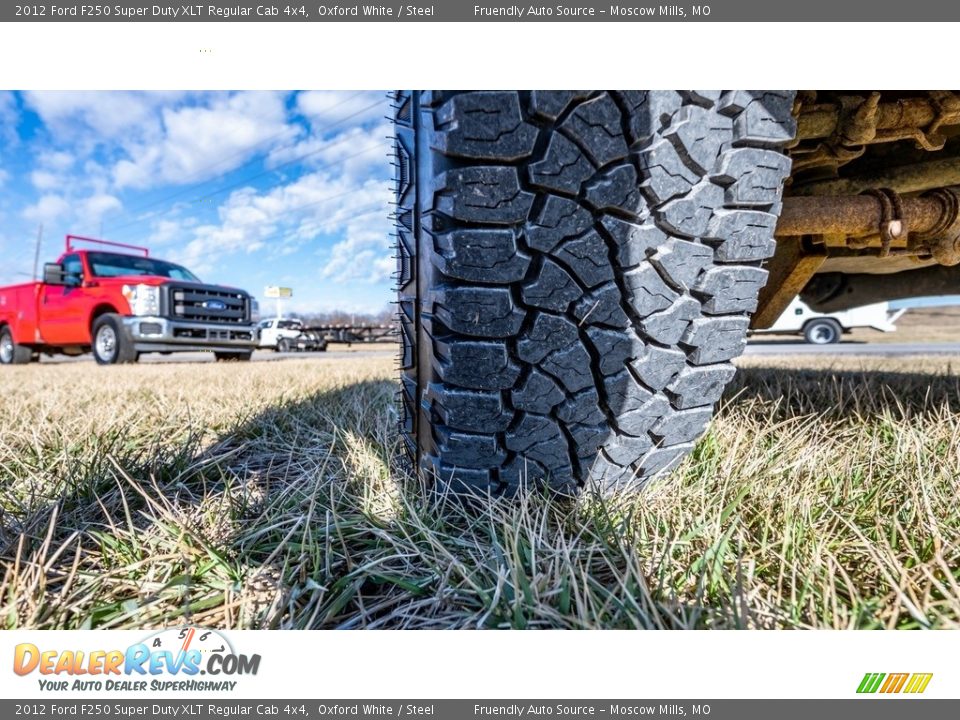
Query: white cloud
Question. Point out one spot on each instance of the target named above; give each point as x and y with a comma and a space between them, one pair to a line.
97, 117
354, 152
198, 142
93, 209
167, 232
53, 171
44, 180
81, 215
47, 209
164, 138
57, 161
4, 177
325, 107
284, 219
363, 255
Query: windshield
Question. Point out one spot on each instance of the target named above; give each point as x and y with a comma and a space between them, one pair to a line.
289, 324
114, 265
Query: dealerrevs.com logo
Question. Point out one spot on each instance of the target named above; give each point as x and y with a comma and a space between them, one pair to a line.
171, 659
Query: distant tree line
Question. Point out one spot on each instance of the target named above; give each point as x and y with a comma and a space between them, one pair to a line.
341, 317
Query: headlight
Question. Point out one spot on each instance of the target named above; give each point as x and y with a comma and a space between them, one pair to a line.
143, 299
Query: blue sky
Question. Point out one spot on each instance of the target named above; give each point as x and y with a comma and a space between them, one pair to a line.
245, 188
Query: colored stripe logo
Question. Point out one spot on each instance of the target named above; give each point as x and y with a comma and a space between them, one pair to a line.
913, 683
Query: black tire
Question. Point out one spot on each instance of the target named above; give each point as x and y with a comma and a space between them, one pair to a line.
283, 345
233, 356
576, 271
10, 352
822, 331
110, 343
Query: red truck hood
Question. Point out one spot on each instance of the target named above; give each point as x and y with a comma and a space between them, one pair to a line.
157, 280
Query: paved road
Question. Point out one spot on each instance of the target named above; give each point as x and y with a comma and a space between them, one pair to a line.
259, 356
755, 347
786, 347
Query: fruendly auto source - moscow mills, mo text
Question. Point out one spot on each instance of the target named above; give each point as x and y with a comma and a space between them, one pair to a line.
519, 12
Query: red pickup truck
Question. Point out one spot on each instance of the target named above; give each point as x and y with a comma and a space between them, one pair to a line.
118, 302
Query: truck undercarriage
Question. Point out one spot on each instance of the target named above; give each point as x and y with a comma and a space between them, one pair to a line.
874, 190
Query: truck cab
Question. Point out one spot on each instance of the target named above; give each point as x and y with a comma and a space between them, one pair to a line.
289, 334
118, 302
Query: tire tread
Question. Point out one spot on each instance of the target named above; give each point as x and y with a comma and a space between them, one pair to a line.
578, 269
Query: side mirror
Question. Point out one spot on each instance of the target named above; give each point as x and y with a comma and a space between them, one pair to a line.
53, 274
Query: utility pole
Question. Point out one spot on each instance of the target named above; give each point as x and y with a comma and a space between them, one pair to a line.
36, 253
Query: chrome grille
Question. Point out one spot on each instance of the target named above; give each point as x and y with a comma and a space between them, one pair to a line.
208, 304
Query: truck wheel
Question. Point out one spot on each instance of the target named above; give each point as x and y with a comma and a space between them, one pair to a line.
10, 352
111, 344
576, 271
283, 345
233, 356
822, 331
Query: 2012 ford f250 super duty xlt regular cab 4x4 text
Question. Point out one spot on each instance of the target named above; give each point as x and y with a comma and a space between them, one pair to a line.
119, 305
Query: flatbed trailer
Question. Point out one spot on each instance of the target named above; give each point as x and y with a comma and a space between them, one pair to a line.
350, 334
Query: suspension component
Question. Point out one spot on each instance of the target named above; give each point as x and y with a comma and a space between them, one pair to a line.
831, 134
927, 225
943, 240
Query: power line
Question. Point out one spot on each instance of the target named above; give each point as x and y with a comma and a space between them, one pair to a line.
298, 208
265, 141
154, 203
316, 225
325, 166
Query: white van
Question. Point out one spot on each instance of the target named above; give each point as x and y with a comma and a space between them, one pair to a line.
822, 329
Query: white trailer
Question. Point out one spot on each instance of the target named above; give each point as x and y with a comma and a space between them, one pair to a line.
822, 329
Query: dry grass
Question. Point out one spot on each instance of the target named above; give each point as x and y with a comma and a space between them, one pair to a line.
825, 495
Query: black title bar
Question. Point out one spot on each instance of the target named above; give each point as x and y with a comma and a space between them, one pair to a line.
470, 11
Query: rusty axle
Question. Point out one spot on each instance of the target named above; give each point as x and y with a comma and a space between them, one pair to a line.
855, 215
925, 225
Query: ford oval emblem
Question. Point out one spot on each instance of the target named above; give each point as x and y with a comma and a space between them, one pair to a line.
215, 305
